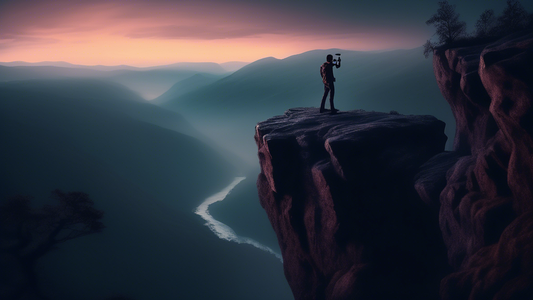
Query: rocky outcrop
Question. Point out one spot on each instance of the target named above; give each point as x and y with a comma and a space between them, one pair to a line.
338, 190
368, 206
486, 207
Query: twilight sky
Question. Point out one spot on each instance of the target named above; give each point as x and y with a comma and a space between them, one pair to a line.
146, 33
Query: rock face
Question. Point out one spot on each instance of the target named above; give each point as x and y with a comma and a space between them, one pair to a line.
368, 206
339, 192
486, 207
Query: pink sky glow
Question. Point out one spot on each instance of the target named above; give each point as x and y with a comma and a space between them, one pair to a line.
140, 33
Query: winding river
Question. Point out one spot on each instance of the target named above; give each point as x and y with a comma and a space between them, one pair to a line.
222, 230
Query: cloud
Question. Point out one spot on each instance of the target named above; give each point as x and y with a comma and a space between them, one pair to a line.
11, 40
160, 19
137, 30
201, 32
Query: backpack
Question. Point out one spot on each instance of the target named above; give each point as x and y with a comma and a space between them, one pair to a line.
323, 72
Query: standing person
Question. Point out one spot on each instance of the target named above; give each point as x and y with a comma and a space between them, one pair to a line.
326, 71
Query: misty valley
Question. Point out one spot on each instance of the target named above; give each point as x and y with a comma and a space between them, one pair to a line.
150, 145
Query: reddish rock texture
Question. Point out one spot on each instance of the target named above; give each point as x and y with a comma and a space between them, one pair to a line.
368, 206
338, 190
487, 203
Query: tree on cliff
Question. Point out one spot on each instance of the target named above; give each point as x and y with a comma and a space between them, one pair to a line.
26, 233
448, 26
447, 23
514, 18
486, 25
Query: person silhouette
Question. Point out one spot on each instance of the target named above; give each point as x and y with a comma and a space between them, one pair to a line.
326, 71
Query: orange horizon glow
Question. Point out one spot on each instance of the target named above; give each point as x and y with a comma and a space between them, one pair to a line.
109, 50
140, 35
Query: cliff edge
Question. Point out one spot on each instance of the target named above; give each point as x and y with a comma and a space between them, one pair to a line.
368, 205
338, 190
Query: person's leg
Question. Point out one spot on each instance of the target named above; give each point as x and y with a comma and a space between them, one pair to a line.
331, 95
323, 103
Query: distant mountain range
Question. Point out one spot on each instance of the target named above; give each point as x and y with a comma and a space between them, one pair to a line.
148, 82
186, 86
147, 169
206, 67
148, 164
94, 120
228, 109
226, 106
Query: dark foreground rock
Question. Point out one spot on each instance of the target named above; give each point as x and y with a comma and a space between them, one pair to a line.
487, 204
339, 192
368, 206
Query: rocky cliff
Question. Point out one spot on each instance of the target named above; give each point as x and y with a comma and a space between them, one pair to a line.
368, 205
486, 207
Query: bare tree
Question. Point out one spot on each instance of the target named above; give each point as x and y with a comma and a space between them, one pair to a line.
447, 23
485, 26
26, 234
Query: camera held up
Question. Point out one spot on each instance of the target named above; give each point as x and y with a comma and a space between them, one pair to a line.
338, 59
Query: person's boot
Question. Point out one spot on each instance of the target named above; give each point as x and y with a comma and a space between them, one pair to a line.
322, 110
334, 110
